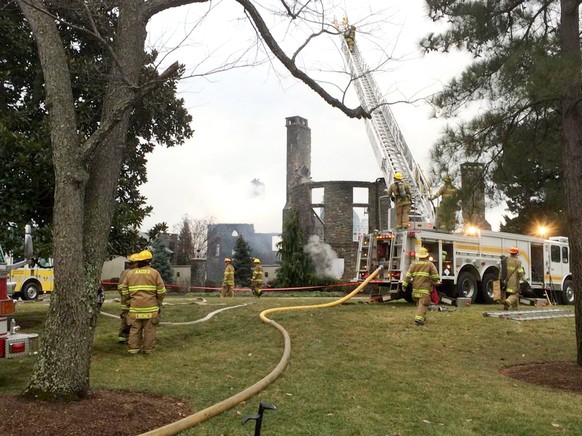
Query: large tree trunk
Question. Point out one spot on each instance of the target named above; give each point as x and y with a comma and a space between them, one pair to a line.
86, 178
572, 152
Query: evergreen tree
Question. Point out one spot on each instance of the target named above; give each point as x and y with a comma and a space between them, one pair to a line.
161, 260
184, 246
242, 262
295, 265
515, 82
528, 74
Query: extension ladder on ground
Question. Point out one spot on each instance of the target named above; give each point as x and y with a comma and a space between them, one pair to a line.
530, 315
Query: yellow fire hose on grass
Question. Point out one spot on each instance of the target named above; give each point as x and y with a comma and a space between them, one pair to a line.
218, 408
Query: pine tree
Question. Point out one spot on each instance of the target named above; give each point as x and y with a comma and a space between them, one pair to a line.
185, 245
242, 262
527, 73
161, 260
295, 265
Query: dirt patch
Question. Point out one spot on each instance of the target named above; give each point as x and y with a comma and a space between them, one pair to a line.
114, 413
566, 376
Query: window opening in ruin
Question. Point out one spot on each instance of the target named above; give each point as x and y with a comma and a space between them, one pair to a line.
359, 222
275, 242
317, 196
360, 195
234, 234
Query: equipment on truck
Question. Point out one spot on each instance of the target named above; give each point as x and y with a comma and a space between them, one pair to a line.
12, 343
468, 264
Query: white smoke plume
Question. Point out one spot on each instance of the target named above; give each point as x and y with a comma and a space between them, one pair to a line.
257, 188
324, 258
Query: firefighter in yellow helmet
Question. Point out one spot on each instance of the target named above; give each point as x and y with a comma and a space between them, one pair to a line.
514, 274
447, 208
424, 276
228, 279
257, 278
399, 192
124, 327
143, 290
350, 36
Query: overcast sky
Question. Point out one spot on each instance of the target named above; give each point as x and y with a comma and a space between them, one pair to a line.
234, 166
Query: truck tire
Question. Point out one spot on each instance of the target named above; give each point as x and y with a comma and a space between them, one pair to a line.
467, 286
30, 291
487, 287
567, 294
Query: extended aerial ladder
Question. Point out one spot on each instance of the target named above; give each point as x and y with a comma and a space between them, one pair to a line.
390, 148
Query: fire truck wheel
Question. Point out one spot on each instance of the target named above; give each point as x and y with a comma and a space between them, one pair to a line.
467, 286
487, 287
30, 291
567, 294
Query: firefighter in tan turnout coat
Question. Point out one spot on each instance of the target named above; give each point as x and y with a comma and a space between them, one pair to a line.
228, 279
257, 278
515, 274
143, 291
423, 275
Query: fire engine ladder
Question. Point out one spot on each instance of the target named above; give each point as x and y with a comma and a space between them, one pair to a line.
390, 148
364, 256
396, 252
530, 315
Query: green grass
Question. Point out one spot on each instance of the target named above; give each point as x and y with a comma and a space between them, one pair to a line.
355, 369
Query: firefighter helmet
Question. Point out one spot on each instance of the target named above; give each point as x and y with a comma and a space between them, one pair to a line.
514, 250
133, 257
398, 176
447, 179
227, 259
422, 253
256, 260
144, 255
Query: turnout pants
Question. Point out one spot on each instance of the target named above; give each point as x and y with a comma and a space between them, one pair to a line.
422, 303
142, 335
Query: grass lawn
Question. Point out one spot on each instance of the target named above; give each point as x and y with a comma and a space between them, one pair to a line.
355, 369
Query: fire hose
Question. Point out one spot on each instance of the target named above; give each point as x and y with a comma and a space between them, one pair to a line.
218, 408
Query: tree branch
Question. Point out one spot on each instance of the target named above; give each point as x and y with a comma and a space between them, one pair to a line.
117, 113
264, 31
152, 7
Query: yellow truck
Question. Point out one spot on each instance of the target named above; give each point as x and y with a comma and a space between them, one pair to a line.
32, 280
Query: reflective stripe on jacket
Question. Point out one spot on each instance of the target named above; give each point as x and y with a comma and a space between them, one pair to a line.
257, 277
228, 275
144, 290
517, 273
423, 275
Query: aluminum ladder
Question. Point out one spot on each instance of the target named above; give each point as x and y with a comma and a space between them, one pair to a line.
390, 148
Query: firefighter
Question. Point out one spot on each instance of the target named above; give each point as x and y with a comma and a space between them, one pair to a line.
257, 278
350, 36
424, 277
228, 280
124, 326
143, 290
515, 274
399, 193
447, 209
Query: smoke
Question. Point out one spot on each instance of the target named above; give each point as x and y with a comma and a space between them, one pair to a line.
257, 188
324, 257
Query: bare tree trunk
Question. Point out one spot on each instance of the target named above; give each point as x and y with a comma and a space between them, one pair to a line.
572, 152
86, 179
61, 370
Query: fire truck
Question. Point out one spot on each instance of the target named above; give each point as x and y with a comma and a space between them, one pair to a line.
13, 343
32, 280
468, 262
